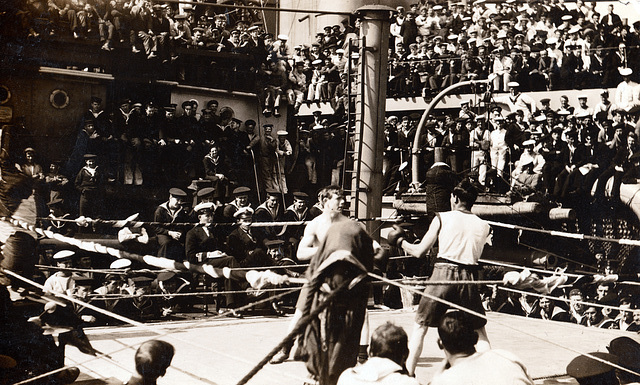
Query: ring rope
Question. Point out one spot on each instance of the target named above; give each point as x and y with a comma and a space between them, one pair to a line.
505, 324
564, 234
530, 268
566, 300
166, 333
84, 221
151, 260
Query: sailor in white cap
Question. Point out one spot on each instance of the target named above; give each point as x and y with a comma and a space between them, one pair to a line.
627, 97
583, 109
62, 281
529, 156
517, 101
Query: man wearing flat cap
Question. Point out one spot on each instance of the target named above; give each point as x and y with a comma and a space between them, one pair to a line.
269, 211
171, 239
298, 211
240, 200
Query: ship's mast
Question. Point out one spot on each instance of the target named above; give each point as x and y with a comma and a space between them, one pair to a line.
370, 113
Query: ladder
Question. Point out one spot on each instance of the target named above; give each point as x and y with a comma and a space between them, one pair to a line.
352, 142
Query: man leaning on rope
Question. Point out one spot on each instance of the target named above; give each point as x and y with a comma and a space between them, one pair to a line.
461, 236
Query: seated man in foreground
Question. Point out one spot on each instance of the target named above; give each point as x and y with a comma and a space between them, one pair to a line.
464, 365
386, 365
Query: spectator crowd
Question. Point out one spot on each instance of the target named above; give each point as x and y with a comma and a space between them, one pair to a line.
543, 45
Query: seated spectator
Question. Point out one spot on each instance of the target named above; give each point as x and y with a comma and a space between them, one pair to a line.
140, 307
550, 311
576, 307
269, 211
463, 364
169, 283
528, 182
152, 360
625, 321
276, 82
298, 211
388, 353
171, 241
245, 244
30, 167
61, 281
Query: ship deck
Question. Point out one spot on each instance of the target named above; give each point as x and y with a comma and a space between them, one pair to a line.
223, 350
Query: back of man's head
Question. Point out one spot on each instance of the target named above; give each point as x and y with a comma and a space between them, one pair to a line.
456, 333
390, 341
466, 193
153, 358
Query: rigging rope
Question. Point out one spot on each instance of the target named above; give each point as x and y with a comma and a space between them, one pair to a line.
505, 324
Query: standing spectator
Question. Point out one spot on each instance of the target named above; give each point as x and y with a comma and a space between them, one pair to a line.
30, 167
555, 154
90, 183
283, 151
480, 141
499, 148
268, 146
627, 95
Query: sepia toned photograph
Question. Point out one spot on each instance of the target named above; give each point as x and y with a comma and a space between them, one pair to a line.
303, 192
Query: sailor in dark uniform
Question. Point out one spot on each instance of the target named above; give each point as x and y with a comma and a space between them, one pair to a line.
269, 211
241, 199
90, 183
170, 240
298, 211
246, 244
204, 244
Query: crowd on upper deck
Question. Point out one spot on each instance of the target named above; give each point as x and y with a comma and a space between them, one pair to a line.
543, 45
